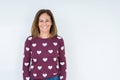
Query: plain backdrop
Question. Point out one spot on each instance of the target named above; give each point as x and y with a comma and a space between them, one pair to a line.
90, 28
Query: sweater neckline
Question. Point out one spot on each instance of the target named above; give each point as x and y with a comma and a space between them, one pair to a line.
46, 38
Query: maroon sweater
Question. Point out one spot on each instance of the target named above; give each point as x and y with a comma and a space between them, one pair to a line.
44, 58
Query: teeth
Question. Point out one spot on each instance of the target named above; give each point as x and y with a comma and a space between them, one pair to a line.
44, 27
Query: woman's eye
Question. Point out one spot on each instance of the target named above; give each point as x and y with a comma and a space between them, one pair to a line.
44, 21
47, 20
40, 21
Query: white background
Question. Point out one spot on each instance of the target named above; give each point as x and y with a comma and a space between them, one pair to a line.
90, 28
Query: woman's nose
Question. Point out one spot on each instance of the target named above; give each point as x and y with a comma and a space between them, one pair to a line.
44, 23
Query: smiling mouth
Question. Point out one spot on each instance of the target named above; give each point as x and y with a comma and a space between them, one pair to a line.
44, 27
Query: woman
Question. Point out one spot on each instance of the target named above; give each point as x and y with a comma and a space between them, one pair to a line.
44, 51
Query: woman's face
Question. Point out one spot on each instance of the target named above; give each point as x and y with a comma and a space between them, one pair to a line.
44, 23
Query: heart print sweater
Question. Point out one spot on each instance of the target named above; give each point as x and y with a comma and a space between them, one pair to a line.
44, 58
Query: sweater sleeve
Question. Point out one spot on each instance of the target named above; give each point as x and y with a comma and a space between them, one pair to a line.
26, 59
62, 60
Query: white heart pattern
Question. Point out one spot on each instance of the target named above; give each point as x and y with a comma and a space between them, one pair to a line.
54, 59
35, 60
62, 48
32, 67
61, 77
55, 43
39, 52
26, 63
27, 48
65, 70
44, 75
31, 52
50, 67
50, 51
34, 74
59, 37
57, 66
54, 73
27, 78
39, 67
30, 38
57, 51
62, 63
45, 59
44, 44
34, 44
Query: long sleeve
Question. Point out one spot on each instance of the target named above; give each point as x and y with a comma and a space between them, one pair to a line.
62, 60
26, 59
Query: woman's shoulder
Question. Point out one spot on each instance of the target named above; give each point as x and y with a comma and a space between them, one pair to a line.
59, 37
60, 40
29, 38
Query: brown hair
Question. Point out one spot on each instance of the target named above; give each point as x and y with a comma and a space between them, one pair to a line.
35, 29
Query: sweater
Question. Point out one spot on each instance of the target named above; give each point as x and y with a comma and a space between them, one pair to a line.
44, 58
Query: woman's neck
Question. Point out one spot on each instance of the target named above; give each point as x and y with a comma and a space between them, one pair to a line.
44, 35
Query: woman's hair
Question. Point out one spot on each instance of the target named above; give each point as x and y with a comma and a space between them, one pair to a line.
35, 28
